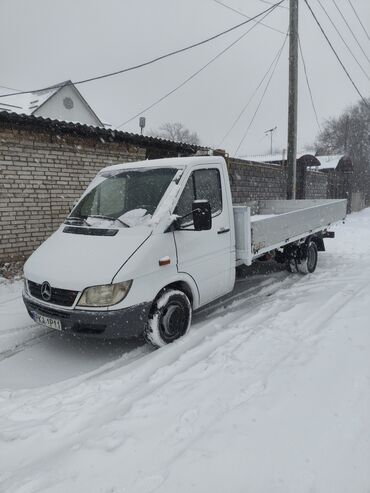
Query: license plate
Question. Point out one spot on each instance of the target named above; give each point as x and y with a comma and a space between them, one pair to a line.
52, 323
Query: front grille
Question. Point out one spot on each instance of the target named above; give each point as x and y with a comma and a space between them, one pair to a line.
61, 297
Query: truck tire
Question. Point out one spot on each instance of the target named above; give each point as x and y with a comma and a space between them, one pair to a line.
169, 319
309, 258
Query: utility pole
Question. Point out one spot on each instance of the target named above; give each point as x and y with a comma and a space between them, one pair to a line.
293, 98
270, 131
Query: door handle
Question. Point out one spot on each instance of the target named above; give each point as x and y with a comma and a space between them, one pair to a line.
221, 231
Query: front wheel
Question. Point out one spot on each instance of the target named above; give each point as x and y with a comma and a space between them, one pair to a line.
169, 318
308, 262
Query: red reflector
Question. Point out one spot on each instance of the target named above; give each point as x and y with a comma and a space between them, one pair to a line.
164, 261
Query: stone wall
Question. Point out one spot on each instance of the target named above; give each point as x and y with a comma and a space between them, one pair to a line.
41, 175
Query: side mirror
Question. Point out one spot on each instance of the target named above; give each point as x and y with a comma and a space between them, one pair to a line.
202, 215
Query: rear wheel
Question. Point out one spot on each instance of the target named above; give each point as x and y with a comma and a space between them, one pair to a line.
169, 318
308, 261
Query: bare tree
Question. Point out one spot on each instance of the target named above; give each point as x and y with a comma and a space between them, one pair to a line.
177, 132
349, 134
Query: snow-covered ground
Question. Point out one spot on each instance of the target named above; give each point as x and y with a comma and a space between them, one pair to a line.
269, 392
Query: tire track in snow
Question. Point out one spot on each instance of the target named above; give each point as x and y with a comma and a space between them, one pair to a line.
333, 305
11, 299
32, 341
148, 384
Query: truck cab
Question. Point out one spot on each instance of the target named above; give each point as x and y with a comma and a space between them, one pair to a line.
132, 257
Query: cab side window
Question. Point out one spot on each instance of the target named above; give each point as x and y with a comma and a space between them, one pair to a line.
208, 187
202, 184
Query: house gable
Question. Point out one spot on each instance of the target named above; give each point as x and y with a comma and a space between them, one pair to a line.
67, 104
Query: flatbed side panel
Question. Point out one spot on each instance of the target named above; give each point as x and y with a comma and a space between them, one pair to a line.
243, 240
280, 206
290, 226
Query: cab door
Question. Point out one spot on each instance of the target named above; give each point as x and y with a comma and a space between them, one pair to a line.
205, 255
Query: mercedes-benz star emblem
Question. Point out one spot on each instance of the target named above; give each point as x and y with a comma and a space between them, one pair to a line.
46, 291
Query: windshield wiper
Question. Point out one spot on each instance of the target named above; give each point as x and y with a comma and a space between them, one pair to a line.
76, 218
98, 216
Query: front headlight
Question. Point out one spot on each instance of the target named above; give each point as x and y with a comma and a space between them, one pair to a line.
106, 295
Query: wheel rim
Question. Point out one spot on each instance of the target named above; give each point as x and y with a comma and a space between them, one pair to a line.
174, 321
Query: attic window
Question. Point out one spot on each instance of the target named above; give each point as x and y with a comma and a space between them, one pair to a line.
68, 103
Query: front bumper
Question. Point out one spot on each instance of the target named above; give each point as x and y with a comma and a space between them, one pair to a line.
125, 323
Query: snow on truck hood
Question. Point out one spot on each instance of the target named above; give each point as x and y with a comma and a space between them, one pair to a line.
74, 261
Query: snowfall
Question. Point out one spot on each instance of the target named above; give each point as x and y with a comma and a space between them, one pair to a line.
269, 392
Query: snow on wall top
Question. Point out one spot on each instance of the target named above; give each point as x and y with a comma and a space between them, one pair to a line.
270, 158
326, 162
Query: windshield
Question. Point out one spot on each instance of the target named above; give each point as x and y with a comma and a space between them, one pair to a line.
126, 196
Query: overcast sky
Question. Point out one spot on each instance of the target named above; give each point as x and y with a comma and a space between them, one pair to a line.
46, 41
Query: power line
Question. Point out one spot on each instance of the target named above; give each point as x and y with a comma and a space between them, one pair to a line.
154, 60
262, 97
336, 54
344, 41
359, 20
250, 98
269, 3
192, 76
247, 16
308, 83
10, 88
349, 27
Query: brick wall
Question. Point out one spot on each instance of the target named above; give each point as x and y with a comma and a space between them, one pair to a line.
252, 181
41, 175
316, 184
43, 171
340, 186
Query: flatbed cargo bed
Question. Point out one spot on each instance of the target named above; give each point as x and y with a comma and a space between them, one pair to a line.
280, 222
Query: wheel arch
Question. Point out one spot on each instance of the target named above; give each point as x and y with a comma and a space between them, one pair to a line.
184, 285
319, 240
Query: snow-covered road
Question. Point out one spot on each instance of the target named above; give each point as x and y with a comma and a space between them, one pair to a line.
269, 392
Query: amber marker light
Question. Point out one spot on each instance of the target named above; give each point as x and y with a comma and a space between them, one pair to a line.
164, 261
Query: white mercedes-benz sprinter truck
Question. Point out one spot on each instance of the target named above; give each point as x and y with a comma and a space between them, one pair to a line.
151, 241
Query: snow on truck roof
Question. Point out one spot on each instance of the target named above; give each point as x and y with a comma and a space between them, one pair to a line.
176, 162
